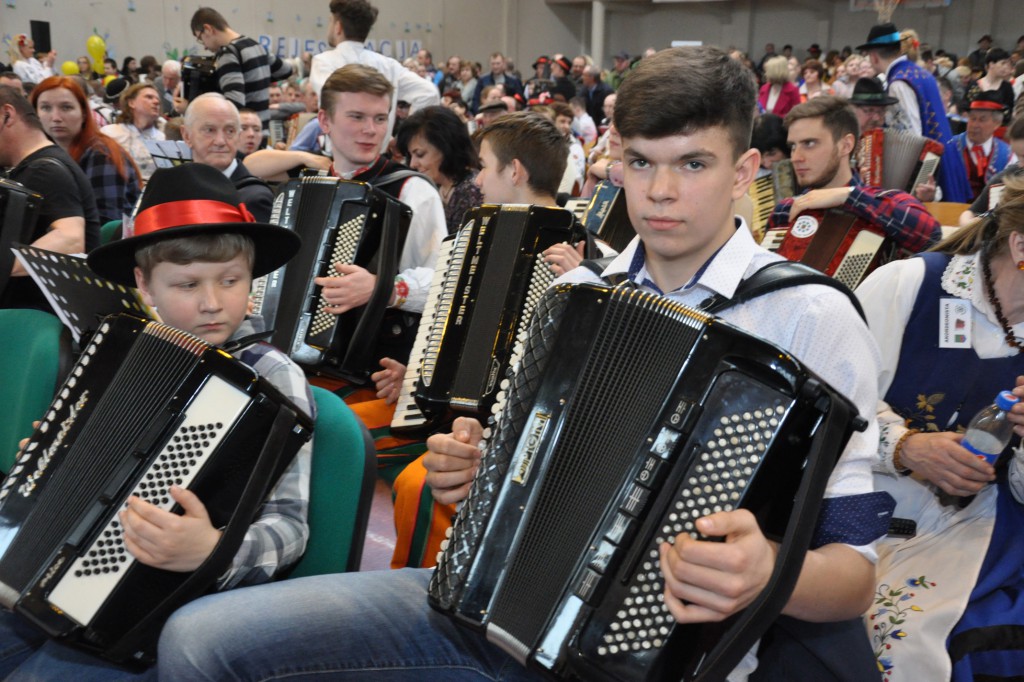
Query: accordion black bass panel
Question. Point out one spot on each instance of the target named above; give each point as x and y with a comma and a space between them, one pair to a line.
146, 407
630, 417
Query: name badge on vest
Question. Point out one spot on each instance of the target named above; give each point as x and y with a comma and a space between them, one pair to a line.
955, 323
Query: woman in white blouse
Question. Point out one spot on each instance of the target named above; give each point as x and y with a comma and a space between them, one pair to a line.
137, 123
24, 62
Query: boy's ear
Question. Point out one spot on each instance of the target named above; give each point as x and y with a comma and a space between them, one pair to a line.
143, 287
846, 145
519, 174
324, 120
746, 172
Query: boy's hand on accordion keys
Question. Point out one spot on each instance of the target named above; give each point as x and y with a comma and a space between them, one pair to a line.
709, 581
164, 540
562, 258
350, 289
452, 459
388, 381
926, 190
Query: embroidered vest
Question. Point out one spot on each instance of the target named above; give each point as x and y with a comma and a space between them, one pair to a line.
932, 383
951, 176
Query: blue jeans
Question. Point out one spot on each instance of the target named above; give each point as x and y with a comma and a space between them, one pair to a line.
28, 654
351, 626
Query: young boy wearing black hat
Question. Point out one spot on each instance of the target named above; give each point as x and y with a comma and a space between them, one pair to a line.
193, 255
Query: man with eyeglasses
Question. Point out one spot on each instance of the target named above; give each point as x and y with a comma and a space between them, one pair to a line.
244, 70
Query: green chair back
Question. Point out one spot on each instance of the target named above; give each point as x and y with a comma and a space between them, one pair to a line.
34, 346
109, 230
340, 491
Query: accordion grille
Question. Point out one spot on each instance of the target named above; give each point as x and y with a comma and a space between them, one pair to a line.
589, 460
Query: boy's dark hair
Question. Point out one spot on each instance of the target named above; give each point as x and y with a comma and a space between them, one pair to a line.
353, 78
835, 112
22, 106
534, 140
207, 15
357, 17
886, 51
206, 248
769, 134
561, 109
682, 90
443, 129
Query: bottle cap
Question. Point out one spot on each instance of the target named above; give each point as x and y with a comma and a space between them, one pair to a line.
1005, 400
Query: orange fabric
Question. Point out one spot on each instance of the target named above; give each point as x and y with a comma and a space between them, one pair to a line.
411, 497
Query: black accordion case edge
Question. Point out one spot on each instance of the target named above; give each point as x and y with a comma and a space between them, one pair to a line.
553, 556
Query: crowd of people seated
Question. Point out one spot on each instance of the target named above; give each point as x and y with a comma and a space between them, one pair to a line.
446, 138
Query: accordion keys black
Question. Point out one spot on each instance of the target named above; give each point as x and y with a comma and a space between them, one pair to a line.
629, 418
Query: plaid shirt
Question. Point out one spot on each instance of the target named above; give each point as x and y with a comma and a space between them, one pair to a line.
903, 218
115, 196
277, 539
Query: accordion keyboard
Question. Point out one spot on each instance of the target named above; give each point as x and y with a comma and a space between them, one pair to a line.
407, 413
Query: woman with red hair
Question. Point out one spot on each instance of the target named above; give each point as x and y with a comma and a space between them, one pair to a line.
64, 111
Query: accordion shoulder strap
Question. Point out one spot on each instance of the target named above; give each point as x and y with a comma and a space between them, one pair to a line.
396, 176
776, 276
599, 265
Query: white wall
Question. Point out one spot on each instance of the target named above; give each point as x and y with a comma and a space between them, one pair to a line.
522, 29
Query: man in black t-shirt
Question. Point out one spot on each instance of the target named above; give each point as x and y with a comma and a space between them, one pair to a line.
67, 221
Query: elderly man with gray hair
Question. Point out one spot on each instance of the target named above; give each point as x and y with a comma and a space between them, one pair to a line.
211, 129
167, 86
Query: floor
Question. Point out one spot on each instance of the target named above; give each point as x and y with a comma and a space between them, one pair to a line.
380, 531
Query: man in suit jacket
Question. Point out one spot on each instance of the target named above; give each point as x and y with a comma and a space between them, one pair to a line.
211, 129
497, 76
594, 91
167, 85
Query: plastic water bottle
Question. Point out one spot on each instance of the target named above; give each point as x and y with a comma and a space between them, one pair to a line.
990, 431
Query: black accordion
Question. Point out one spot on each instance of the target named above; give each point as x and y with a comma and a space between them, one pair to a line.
339, 222
488, 278
18, 209
198, 76
629, 418
146, 407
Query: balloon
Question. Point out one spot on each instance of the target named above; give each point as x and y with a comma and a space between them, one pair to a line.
97, 49
69, 68
107, 79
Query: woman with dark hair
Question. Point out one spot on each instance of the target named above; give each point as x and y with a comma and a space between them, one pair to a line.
436, 143
130, 70
140, 112
998, 71
950, 599
64, 112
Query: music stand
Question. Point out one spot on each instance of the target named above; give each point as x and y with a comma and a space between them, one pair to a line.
168, 153
79, 296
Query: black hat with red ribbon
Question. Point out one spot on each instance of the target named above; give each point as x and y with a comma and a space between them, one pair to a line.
190, 200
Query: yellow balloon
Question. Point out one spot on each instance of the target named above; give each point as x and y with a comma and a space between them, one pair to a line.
69, 68
107, 79
97, 49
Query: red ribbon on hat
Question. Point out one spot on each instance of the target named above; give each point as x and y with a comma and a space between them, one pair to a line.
986, 104
189, 212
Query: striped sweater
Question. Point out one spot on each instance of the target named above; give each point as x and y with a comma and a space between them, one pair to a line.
244, 72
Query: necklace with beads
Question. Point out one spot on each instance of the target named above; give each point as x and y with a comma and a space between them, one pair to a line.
1011, 338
